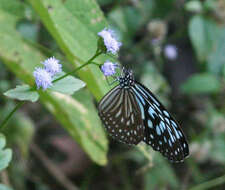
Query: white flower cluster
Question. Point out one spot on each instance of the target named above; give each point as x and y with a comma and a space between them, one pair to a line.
112, 46
43, 76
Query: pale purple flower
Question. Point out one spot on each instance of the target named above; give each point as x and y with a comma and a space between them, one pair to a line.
42, 78
52, 65
111, 44
109, 68
170, 52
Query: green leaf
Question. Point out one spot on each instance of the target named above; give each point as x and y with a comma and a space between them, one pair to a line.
216, 59
67, 85
194, 6
75, 26
5, 154
203, 34
161, 174
217, 152
23, 92
79, 117
3, 187
77, 114
201, 83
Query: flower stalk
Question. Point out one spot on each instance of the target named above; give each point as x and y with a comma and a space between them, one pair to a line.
10, 114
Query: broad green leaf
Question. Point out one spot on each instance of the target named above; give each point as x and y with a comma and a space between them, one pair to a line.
4, 187
23, 92
2, 141
203, 34
67, 85
77, 115
74, 26
80, 120
5, 154
216, 60
201, 83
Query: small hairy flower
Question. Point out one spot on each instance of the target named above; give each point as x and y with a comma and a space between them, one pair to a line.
111, 44
108, 68
52, 65
170, 52
42, 78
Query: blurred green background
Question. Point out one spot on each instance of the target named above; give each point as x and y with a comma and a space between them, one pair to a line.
175, 47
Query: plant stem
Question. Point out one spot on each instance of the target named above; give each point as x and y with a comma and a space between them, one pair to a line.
209, 184
78, 68
10, 114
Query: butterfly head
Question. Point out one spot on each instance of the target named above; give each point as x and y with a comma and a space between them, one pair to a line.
126, 79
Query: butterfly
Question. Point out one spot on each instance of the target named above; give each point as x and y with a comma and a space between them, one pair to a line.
131, 114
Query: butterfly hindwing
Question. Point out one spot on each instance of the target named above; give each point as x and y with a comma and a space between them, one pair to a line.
121, 115
162, 132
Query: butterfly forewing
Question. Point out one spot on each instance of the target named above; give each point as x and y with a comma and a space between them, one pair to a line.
121, 115
161, 131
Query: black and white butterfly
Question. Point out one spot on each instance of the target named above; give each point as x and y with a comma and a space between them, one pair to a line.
131, 114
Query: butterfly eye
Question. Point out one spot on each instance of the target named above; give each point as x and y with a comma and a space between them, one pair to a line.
131, 114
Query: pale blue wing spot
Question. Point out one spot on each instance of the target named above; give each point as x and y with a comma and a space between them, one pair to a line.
162, 125
141, 107
177, 135
139, 96
166, 113
150, 124
158, 130
156, 107
167, 120
151, 112
173, 123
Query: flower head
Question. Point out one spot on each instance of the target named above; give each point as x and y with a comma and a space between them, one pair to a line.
170, 51
109, 68
111, 44
42, 78
52, 65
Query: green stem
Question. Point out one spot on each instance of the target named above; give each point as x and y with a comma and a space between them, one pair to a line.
142, 149
209, 184
10, 114
78, 68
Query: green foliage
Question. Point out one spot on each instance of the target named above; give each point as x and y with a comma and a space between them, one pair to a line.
203, 34
67, 85
74, 115
31, 31
158, 175
201, 83
194, 6
19, 132
5, 153
23, 92
63, 20
3, 187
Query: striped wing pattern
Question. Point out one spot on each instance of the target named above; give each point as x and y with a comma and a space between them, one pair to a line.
121, 116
